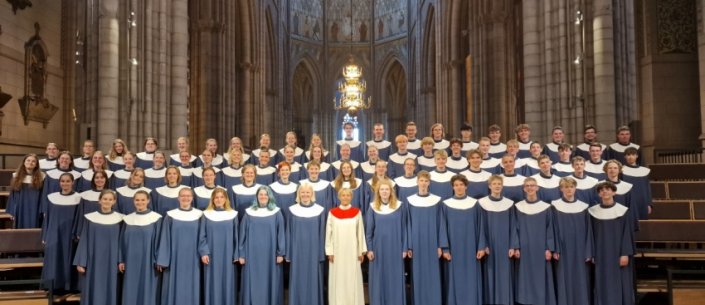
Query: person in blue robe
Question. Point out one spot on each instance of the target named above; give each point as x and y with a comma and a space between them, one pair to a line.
574, 244
231, 175
345, 157
500, 219
186, 169
317, 141
368, 166
490, 163
291, 141
25, 194
512, 182
383, 146
265, 142
354, 146
166, 198
83, 162
423, 215
426, 160
202, 194
266, 174
97, 164
283, 189
414, 145
523, 136
405, 184
120, 176
623, 195
614, 247
346, 179
296, 170
305, 240
638, 177
551, 149
114, 159
440, 176
585, 188
457, 162
52, 154
325, 169
398, 159
218, 250
466, 138
138, 253
616, 151
125, 194
90, 200
58, 237
476, 176
563, 167
262, 247
496, 147
594, 167
242, 195
438, 135
387, 247
463, 241
155, 175
322, 188
182, 148
589, 137
198, 172
145, 159
64, 164
536, 244
380, 174
547, 181
216, 160
177, 253
97, 254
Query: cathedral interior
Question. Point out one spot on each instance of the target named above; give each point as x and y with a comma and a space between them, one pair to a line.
131, 69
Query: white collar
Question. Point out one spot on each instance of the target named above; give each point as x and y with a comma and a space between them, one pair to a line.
460, 204
171, 192
569, 207
141, 220
496, 206
241, 189
306, 212
613, 212
532, 208
181, 215
261, 212
130, 192
66, 200
385, 209
104, 219
423, 201
220, 215
280, 188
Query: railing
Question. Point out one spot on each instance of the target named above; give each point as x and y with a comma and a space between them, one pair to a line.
681, 156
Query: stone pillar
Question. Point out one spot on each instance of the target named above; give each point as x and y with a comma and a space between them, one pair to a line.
604, 69
179, 68
108, 73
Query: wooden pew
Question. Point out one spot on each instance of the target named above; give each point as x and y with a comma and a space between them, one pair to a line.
27, 242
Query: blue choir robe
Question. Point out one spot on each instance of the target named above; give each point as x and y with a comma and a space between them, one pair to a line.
88, 204
524, 148
468, 146
462, 234
273, 156
497, 150
285, 195
440, 184
442, 144
492, 165
623, 195
325, 172
217, 162
562, 169
356, 153
138, 251
370, 191
423, 221
613, 237
457, 164
51, 185
585, 189
299, 155
595, 169
198, 177
218, 240
178, 254
144, 160
84, 182
166, 198
305, 240
298, 172
615, 151
573, 231
549, 187
175, 160
125, 199
355, 165
527, 166
115, 164
242, 197
324, 192
384, 148
513, 187
500, 218
59, 241
414, 147
359, 194
81, 163
188, 176
583, 150
551, 150
386, 236
202, 196
262, 239
641, 199
231, 176
534, 276
154, 178
405, 187
120, 178
24, 205
368, 169
266, 175
98, 252
477, 183
395, 166
307, 156
47, 164
425, 163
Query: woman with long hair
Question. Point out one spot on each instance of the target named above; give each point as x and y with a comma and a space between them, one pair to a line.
25, 193
117, 151
346, 179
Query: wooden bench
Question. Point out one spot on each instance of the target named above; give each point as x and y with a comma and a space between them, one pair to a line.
22, 242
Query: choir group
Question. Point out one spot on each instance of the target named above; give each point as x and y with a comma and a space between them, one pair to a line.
434, 221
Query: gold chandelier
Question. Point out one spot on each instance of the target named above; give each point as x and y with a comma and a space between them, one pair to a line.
351, 91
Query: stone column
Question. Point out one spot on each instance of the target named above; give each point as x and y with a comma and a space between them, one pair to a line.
108, 73
532, 64
604, 68
179, 68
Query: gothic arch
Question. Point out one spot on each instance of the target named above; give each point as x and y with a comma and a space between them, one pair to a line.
394, 94
305, 99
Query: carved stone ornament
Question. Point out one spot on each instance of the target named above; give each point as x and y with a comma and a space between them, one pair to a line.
677, 27
34, 105
19, 4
